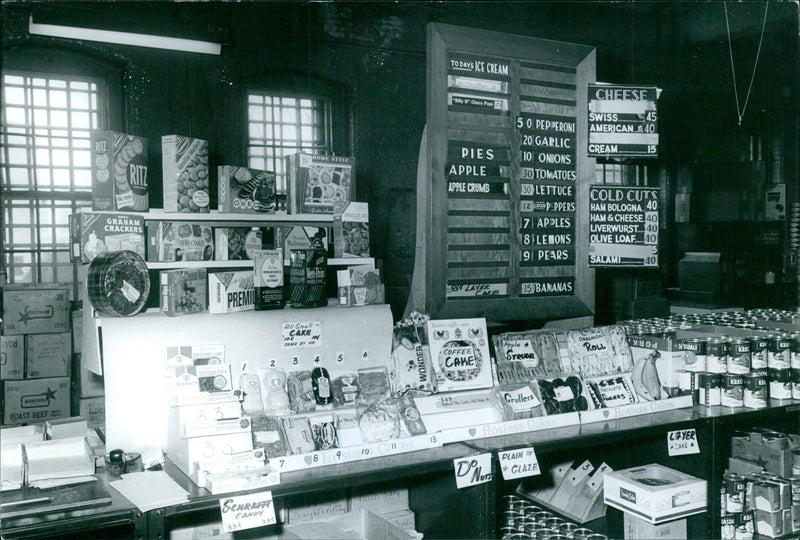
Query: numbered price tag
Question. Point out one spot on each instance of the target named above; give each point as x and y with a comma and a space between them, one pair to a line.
518, 463
247, 511
682, 442
473, 470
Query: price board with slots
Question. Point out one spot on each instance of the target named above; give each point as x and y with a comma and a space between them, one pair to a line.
623, 121
623, 226
506, 172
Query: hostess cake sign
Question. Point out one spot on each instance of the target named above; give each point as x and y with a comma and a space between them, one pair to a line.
460, 354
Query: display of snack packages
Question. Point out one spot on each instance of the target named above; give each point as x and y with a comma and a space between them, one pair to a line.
183, 291
298, 434
173, 241
119, 172
521, 401
315, 183
301, 392
564, 394
231, 291
94, 233
351, 229
460, 354
268, 435
185, 174
524, 356
612, 390
598, 351
241, 243
411, 356
245, 191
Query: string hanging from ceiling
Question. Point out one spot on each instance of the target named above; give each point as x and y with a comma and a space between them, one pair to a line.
740, 110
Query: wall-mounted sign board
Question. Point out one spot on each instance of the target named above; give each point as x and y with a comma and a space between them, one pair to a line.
623, 120
623, 226
506, 169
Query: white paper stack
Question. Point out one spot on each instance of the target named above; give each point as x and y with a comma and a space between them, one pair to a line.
12, 467
150, 489
22, 434
59, 462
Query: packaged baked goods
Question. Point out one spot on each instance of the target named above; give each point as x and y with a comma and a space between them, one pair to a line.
413, 371
612, 390
298, 434
118, 283
521, 401
230, 291
173, 241
411, 416
185, 174
564, 394
460, 354
119, 172
373, 384
317, 182
592, 351
245, 191
94, 233
344, 390
379, 420
183, 291
324, 431
301, 392
268, 435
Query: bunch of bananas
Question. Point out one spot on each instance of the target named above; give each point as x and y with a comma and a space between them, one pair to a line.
645, 377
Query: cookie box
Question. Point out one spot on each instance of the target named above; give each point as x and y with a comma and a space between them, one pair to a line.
351, 229
94, 233
231, 291
119, 172
316, 183
35, 400
183, 291
245, 191
171, 241
47, 355
35, 309
241, 243
12, 357
185, 174
655, 493
460, 354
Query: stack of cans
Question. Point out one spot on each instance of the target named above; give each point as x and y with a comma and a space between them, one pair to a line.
524, 519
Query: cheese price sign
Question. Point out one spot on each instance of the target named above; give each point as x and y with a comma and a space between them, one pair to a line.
623, 226
623, 121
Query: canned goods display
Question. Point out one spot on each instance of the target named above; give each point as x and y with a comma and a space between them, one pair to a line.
694, 354
776, 440
716, 355
727, 527
743, 522
795, 490
794, 360
739, 356
734, 493
758, 352
780, 383
778, 352
755, 391
709, 389
118, 283
795, 383
732, 393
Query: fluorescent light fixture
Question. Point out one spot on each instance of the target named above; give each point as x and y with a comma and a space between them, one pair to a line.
124, 38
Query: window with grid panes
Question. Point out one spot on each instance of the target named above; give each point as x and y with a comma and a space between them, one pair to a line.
281, 125
45, 170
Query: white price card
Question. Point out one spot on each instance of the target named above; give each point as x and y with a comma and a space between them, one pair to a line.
682, 442
518, 463
296, 335
247, 511
473, 470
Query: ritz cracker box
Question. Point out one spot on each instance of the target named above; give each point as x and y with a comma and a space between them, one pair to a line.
119, 172
94, 233
185, 174
35, 309
35, 400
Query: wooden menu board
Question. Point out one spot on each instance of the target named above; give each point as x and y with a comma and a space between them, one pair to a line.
623, 120
623, 226
506, 171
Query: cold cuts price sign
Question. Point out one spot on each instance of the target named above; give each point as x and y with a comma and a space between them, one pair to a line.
504, 153
623, 120
623, 226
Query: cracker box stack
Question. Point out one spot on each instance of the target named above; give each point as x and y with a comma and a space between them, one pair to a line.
35, 353
119, 172
185, 174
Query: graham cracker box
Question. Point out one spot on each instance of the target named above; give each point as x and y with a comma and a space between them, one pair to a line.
245, 191
47, 355
183, 291
35, 400
94, 233
32, 309
12, 357
119, 172
315, 183
172, 241
231, 291
185, 174
93, 410
655, 493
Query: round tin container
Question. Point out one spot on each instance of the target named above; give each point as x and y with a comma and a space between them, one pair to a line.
795, 490
755, 391
709, 391
727, 527
780, 383
758, 352
740, 435
744, 525
531, 528
732, 393
541, 516
734, 489
118, 283
553, 522
694, 354
716, 355
795, 462
794, 362
507, 532
581, 533
779, 352
775, 440
739, 358
567, 529
795, 384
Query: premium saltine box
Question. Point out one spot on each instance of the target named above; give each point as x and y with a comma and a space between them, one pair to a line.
351, 229
94, 233
317, 182
185, 174
245, 191
119, 172
460, 354
231, 291
32, 309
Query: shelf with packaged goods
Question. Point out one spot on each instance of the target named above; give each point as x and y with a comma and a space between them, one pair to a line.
347, 261
224, 219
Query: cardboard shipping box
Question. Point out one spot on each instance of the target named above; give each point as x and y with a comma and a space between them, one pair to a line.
35, 400
637, 529
48, 355
12, 357
35, 309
